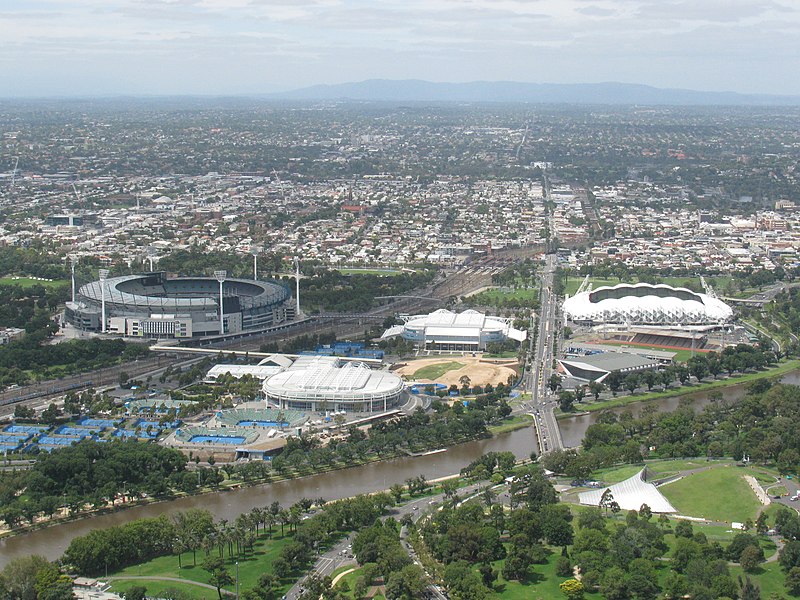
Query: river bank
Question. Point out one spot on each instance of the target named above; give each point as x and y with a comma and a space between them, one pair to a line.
730, 381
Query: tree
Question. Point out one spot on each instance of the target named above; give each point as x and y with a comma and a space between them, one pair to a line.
563, 567
19, 576
488, 575
135, 592
572, 589
406, 584
219, 574
748, 590
632, 381
554, 383
750, 558
566, 401
792, 581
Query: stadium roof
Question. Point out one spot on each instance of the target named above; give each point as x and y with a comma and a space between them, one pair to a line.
261, 372
648, 304
630, 495
469, 323
317, 377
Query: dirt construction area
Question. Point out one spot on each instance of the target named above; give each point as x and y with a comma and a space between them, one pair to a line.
479, 371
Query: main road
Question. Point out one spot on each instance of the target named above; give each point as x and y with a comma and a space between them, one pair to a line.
541, 405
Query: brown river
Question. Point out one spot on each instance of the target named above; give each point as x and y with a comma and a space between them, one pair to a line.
51, 542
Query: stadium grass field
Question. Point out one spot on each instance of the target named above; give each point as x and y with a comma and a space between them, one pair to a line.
435, 371
719, 494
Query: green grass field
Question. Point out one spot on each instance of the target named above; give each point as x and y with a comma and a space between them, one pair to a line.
511, 424
249, 568
496, 297
719, 494
435, 371
383, 272
156, 589
30, 282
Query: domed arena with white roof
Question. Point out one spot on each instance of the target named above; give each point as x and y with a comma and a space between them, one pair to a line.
646, 304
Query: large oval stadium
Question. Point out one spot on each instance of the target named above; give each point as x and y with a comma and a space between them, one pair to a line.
155, 306
646, 304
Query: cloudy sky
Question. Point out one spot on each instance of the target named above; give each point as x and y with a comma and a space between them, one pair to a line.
78, 47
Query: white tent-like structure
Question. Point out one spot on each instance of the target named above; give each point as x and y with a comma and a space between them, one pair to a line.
630, 495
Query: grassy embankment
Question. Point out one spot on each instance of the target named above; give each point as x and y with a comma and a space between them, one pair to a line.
736, 379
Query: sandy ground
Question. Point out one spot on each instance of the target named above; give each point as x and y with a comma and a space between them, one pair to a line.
480, 372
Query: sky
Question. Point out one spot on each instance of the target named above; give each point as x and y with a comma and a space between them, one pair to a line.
165, 47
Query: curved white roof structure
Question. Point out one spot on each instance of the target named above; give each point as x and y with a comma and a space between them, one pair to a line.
630, 495
310, 381
470, 329
646, 304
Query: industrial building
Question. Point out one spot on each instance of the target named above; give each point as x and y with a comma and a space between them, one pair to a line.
445, 330
319, 383
646, 304
155, 306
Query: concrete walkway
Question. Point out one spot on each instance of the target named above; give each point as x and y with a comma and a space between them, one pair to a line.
171, 579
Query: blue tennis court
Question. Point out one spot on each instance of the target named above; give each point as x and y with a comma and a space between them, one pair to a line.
262, 424
73, 431
131, 433
48, 440
26, 428
14, 439
216, 439
9, 446
96, 423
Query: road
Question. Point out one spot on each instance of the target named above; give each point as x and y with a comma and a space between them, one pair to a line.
340, 554
541, 405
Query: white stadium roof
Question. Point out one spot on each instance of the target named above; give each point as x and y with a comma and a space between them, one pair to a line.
630, 495
644, 303
310, 377
469, 323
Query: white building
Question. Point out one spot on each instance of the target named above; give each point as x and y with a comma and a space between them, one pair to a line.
446, 330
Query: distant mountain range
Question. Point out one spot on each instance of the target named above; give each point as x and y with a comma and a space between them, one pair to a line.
415, 90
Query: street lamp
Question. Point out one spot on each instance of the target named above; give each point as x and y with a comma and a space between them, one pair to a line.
220, 276
103, 276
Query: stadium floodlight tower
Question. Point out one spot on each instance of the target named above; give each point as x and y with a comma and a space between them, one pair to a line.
151, 256
220, 276
103, 276
73, 260
297, 286
254, 250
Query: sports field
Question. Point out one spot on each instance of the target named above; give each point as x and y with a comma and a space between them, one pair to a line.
447, 371
719, 494
31, 281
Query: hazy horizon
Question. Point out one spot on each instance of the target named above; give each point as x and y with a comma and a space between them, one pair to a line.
248, 47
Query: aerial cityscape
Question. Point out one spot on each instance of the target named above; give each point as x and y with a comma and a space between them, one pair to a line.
428, 300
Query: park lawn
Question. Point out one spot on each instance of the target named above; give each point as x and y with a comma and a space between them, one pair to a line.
543, 583
768, 577
511, 424
719, 494
433, 372
573, 283
350, 579
381, 272
616, 474
156, 589
250, 567
497, 296
30, 282
664, 468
